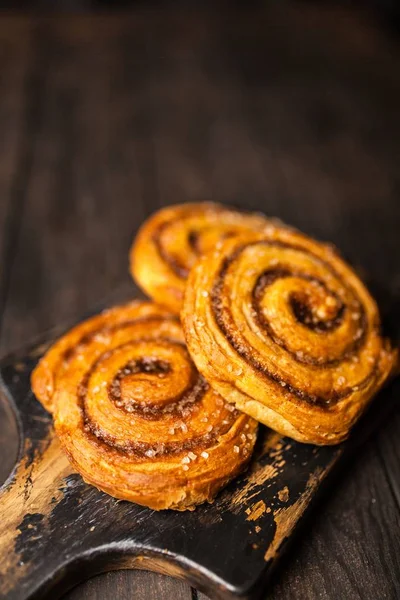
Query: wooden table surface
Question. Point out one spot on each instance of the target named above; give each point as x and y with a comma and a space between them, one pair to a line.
293, 110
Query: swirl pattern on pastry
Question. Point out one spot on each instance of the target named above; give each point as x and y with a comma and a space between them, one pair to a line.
57, 359
283, 328
135, 417
171, 241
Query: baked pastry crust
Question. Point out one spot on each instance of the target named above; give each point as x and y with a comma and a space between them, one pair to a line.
57, 359
135, 417
282, 327
170, 242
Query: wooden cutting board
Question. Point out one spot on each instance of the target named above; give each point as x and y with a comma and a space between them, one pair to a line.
55, 530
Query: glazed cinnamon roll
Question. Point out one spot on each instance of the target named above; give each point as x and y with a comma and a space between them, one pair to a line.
284, 329
135, 417
170, 242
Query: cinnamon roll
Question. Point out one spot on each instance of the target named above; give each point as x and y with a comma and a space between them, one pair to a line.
135, 417
284, 329
171, 240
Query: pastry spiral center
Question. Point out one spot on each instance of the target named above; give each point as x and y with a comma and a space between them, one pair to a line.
313, 304
139, 382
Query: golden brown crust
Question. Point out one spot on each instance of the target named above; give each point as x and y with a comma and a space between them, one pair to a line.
47, 372
285, 330
171, 240
135, 417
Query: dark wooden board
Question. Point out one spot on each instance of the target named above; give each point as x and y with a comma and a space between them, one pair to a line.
56, 530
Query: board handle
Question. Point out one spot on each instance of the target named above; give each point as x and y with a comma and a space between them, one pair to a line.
26, 502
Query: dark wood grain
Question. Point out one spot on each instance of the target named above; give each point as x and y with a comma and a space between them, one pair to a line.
293, 112
143, 586
345, 539
15, 144
16, 109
